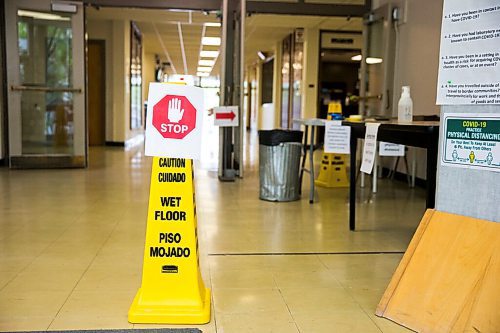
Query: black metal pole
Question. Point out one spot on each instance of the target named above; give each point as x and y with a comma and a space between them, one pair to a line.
352, 183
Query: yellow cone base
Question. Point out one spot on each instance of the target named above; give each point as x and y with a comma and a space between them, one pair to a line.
169, 314
172, 289
333, 172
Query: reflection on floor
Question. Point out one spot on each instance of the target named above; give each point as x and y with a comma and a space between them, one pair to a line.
71, 244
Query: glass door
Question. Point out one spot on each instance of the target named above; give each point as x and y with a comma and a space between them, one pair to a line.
377, 64
46, 80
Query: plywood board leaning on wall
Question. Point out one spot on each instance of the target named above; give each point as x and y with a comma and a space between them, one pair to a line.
447, 280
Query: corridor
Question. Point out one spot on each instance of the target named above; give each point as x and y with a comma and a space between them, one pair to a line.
72, 241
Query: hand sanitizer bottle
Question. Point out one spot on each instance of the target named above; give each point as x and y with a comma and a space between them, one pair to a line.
405, 106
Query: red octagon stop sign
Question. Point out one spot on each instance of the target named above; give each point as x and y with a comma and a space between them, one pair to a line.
174, 117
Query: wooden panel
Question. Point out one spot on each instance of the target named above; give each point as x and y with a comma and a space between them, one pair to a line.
96, 92
447, 280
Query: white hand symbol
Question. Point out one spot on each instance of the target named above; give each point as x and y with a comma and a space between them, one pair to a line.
175, 112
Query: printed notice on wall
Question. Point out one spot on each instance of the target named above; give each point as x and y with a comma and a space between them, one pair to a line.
337, 137
469, 60
471, 141
391, 149
370, 148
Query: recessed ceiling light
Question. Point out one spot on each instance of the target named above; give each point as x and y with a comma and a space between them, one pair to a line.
209, 54
204, 69
372, 61
206, 62
202, 74
357, 57
215, 41
212, 24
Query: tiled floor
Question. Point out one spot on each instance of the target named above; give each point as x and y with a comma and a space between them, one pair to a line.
71, 246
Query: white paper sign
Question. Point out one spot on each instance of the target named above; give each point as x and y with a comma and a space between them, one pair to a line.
370, 147
469, 61
337, 137
174, 121
391, 149
226, 116
471, 141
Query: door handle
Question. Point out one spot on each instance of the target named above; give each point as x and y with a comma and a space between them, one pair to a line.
45, 89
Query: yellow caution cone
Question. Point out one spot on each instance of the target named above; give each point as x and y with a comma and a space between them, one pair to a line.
172, 290
333, 172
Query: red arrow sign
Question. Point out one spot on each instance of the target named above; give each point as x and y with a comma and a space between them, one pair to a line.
225, 115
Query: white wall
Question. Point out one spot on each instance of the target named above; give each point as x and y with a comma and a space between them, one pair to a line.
310, 73
2, 151
2, 99
116, 34
148, 72
103, 30
418, 55
417, 59
277, 84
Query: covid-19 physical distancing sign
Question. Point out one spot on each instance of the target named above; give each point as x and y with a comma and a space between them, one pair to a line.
172, 289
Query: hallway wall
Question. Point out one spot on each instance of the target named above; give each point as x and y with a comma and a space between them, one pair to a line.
103, 30
417, 60
116, 34
2, 99
310, 74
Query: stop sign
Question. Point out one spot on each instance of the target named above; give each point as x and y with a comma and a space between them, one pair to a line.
174, 117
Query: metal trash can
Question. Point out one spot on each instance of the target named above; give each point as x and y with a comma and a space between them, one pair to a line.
279, 164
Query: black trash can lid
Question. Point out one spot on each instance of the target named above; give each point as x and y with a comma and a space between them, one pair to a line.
277, 136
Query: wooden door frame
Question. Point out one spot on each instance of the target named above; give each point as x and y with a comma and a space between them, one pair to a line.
102, 43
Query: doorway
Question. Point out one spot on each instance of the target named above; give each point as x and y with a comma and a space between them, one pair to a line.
96, 69
46, 85
339, 67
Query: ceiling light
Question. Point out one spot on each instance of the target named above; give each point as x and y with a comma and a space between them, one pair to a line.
42, 16
209, 54
202, 74
204, 69
212, 24
261, 55
215, 41
357, 57
206, 62
372, 61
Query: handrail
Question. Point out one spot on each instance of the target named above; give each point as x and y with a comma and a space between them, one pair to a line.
45, 89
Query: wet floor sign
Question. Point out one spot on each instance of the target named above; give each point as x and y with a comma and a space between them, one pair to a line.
333, 171
172, 290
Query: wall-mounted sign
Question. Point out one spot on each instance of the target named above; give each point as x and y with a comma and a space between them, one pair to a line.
226, 116
469, 60
471, 141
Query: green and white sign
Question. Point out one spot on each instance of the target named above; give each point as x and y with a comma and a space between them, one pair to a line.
471, 141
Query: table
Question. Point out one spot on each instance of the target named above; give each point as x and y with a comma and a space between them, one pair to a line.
313, 123
422, 134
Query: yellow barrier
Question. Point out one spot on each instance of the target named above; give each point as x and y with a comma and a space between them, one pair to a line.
172, 290
333, 172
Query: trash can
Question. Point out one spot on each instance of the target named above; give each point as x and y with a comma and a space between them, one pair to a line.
279, 164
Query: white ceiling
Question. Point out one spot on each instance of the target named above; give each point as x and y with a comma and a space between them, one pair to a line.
163, 32
264, 31
161, 35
